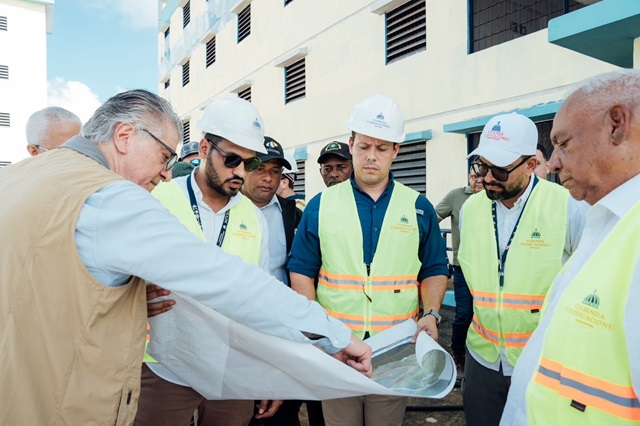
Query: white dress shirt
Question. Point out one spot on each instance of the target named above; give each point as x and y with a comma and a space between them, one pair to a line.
600, 220
277, 239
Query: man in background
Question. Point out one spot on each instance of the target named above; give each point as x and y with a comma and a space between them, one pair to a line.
49, 128
542, 158
335, 163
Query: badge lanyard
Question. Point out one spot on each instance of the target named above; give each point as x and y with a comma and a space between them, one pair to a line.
196, 212
502, 259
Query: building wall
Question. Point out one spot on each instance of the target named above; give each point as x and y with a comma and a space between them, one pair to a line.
23, 48
345, 62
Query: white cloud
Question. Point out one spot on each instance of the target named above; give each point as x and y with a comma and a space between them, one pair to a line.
75, 96
135, 14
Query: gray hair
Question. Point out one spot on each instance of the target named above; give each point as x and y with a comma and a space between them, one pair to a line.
602, 91
39, 122
140, 108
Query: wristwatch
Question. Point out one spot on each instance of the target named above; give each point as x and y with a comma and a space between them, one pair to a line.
435, 314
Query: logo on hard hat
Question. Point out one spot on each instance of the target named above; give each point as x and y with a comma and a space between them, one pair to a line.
380, 117
379, 122
496, 133
256, 124
332, 147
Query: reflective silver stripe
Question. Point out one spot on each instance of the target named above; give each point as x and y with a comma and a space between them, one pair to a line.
485, 299
522, 302
350, 321
589, 390
335, 281
516, 339
484, 332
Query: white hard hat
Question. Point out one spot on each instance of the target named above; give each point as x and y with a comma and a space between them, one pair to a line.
288, 155
235, 120
379, 117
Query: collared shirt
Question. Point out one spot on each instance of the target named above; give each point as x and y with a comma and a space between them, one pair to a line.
600, 220
306, 258
277, 239
212, 221
122, 230
450, 206
507, 219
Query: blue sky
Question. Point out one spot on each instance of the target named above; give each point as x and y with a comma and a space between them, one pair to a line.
99, 48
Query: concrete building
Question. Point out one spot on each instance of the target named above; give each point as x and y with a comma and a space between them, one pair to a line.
451, 65
24, 25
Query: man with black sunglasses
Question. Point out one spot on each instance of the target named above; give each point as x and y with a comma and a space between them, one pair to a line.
514, 238
209, 203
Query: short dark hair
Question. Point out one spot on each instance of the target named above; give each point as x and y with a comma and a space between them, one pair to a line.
543, 150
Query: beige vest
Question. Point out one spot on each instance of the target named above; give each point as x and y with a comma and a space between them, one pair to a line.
70, 348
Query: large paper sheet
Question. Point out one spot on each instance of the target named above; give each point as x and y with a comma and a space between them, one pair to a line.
222, 359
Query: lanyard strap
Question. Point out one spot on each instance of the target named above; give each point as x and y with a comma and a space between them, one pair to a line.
196, 212
502, 259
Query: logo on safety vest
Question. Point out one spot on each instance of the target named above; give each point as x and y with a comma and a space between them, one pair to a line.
535, 241
243, 226
404, 226
244, 233
536, 234
587, 312
404, 219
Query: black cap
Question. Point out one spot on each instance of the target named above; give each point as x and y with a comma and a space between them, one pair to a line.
336, 148
274, 152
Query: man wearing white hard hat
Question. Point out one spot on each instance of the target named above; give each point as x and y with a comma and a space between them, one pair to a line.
285, 190
209, 203
375, 248
515, 237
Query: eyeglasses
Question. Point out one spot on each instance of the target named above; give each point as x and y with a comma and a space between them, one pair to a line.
41, 148
174, 156
233, 160
501, 175
340, 168
195, 162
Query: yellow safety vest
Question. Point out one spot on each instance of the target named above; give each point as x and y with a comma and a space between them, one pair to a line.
506, 316
583, 375
386, 295
243, 237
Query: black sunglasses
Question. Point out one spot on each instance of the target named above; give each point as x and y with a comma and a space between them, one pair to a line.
501, 175
174, 156
233, 160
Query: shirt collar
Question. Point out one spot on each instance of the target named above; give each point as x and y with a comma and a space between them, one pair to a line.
274, 200
87, 148
386, 191
620, 200
524, 197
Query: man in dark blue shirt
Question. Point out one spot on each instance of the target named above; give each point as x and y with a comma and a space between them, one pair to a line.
375, 248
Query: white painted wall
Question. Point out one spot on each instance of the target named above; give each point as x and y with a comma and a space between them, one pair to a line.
346, 62
23, 48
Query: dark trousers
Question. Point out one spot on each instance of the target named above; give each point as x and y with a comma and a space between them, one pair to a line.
484, 394
287, 414
464, 311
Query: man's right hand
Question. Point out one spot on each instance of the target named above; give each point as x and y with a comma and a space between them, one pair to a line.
356, 355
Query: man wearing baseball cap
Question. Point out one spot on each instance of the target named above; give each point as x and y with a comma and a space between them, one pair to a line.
375, 248
515, 237
188, 160
335, 163
208, 203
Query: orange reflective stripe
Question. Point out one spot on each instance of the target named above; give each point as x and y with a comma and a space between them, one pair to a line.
338, 286
617, 400
148, 328
489, 335
395, 278
522, 301
344, 277
485, 299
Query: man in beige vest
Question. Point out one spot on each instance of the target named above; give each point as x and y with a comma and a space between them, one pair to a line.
72, 300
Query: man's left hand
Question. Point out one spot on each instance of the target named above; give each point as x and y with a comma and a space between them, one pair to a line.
153, 292
427, 323
268, 408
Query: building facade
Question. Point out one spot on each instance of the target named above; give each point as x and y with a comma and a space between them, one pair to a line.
451, 65
24, 25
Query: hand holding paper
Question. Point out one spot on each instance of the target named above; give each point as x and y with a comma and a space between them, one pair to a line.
356, 355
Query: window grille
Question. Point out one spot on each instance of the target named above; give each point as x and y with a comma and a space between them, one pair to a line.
5, 119
4, 71
186, 131
167, 33
493, 22
286, 2
406, 30
4, 164
167, 83
3, 23
185, 74
298, 185
410, 166
186, 14
245, 94
211, 52
244, 23
295, 81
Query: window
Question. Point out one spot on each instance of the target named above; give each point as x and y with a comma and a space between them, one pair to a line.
186, 14
4, 164
244, 23
294, 81
167, 33
286, 2
410, 166
211, 52
406, 30
245, 94
492, 22
5, 119
167, 83
185, 74
3, 23
186, 131
4, 71
544, 138
298, 185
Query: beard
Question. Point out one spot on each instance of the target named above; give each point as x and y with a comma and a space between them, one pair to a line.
214, 182
505, 193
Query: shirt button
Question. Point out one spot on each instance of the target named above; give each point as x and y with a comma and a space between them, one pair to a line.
375, 229
374, 207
